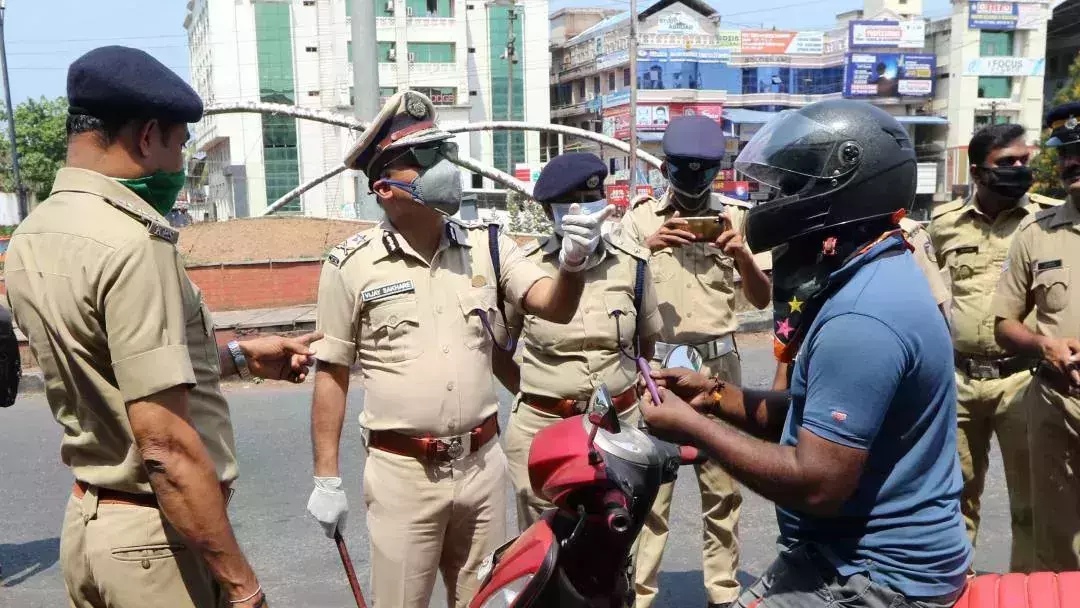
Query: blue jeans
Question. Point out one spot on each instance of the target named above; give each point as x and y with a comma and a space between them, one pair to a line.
802, 578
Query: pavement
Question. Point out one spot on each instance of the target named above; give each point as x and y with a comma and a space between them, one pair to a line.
299, 566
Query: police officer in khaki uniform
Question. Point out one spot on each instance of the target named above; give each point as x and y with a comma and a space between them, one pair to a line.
416, 301
562, 364
1036, 279
973, 237
128, 351
695, 285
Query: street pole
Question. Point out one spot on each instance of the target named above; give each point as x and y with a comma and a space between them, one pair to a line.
511, 16
20, 192
633, 98
993, 112
365, 89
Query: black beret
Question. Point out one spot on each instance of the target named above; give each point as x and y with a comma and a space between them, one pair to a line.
117, 82
568, 173
694, 138
1064, 124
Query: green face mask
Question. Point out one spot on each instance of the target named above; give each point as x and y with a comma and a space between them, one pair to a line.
159, 189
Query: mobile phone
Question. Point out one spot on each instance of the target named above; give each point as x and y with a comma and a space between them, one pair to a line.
707, 228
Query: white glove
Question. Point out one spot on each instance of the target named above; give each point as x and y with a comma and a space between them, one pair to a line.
581, 235
328, 504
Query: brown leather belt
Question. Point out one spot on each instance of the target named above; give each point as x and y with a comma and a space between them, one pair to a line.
986, 368
435, 449
565, 408
116, 497
1056, 381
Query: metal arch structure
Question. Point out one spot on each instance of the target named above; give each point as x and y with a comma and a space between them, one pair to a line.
348, 122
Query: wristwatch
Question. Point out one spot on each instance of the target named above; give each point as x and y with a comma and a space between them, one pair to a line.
240, 360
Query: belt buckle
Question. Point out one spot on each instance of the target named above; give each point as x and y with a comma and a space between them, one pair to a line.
984, 370
455, 449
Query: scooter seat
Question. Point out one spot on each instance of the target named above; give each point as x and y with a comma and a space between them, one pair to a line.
1038, 590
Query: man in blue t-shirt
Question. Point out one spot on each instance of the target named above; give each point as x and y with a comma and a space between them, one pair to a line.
860, 456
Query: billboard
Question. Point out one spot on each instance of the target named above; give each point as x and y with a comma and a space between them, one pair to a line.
618, 195
694, 68
992, 15
654, 117
887, 34
1005, 66
771, 42
889, 75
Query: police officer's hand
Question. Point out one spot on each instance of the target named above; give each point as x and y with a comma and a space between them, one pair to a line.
259, 601
328, 504
672, 419
674, 233
581, 235
693, 387
280, 358
1064, 355
731, 242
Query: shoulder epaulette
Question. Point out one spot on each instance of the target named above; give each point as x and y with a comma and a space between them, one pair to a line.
1041, 215
1044, 201
944, 208
910, 226
639, 200
617, 240
735, 202
341, 252
153, 227
534, 246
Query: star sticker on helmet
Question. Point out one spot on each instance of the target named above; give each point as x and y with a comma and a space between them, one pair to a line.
783, 329
795, 304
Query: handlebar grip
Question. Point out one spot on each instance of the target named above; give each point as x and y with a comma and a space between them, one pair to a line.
688, 454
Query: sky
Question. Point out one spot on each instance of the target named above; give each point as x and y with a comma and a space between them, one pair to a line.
45, 36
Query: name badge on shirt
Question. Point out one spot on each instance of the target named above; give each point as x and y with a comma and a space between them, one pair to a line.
385, 291
1047, 265
968, 249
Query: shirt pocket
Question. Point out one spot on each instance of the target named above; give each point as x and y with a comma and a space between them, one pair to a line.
394, 328
962, 262
199, 326
719, 269
611, 322
474, 302
1052, 289
663, 264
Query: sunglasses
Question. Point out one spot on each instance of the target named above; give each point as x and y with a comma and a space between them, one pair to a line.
425, 156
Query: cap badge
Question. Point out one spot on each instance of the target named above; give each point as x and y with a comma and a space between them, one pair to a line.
1072, 122
416, 108
694, 166
593, 181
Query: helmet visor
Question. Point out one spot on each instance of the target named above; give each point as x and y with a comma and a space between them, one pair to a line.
792, 150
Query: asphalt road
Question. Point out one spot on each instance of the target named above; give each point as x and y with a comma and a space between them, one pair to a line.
296, 564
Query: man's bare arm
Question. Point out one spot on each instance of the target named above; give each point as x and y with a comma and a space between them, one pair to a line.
328, 416
760, 413
556, 300
187, 489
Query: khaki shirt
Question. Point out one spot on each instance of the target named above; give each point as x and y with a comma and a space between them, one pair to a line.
416, 328
695, 284
923, 251
569, 361
1038, 273
96, 283
971, 249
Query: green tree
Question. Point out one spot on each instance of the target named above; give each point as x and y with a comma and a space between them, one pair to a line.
1044, 165
526, 215
41, 137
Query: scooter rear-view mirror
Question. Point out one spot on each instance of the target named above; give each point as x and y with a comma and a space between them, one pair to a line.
601, 411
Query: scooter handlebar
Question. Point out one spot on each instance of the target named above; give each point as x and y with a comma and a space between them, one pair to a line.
688, 454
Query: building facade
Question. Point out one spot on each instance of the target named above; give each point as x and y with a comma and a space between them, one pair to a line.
940, 79
299, 52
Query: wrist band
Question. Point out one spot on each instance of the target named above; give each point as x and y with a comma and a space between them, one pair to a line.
248, 598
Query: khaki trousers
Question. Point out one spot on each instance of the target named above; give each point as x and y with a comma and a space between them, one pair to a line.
985, 408
428, 518
525, 423
720, 504
1054, 429
121, 556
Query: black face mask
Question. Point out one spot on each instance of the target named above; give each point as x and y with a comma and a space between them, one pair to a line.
1008, 182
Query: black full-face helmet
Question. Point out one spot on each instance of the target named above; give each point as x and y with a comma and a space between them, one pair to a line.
834, 163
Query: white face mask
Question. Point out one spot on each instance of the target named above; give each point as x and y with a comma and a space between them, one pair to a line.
560, 210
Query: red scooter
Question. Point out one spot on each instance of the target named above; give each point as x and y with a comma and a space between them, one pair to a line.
602, 478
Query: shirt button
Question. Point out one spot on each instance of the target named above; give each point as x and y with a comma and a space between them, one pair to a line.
393, 319
689, 314
449, 386
688, 285
438, 308
446, 349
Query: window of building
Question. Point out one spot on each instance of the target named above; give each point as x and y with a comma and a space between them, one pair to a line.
348, 8
385, 93
440, 96
387, 52
995, 87
983, 120
626, 77
995, 44
273, 43
429, 8
596, 85
311, 49
477, 181
581, 89
383, 8
611, 81
503, 77
348, 50
431, 52
352, 96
